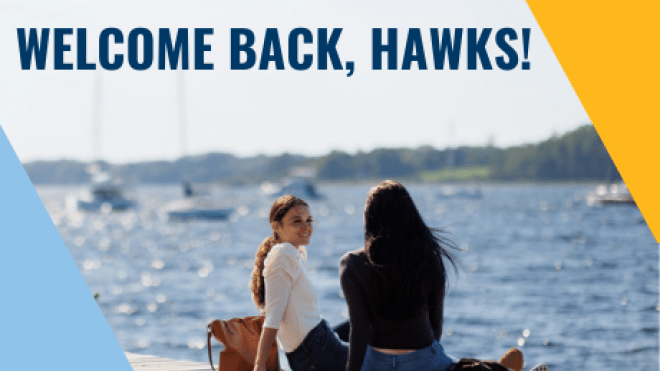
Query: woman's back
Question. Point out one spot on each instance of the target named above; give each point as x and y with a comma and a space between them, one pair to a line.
414, 331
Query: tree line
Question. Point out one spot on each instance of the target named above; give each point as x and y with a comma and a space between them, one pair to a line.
577, 155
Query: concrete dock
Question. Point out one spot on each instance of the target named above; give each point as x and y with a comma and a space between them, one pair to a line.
141, 362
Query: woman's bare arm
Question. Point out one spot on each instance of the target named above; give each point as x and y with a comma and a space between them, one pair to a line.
265, 344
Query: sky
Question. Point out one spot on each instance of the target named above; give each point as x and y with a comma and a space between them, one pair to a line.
49, 115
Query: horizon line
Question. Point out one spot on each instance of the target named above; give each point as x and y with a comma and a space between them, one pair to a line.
311, 156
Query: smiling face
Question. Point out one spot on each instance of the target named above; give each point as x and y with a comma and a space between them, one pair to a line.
295, 227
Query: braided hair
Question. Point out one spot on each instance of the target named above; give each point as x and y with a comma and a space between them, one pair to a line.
281, 206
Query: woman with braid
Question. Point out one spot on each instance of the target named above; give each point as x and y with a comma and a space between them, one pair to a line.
281, 289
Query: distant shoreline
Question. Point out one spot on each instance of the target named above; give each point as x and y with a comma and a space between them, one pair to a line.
366, 183
578, 156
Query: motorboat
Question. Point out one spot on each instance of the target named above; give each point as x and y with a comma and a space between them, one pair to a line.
106, 195
469, 192
198, 203
300, 187
186, 215
616, 193
198, 208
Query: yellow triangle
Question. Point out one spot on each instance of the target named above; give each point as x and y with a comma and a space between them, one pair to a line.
609, 52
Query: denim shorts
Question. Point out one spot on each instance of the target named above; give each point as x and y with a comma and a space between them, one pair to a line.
321, 350
430, 358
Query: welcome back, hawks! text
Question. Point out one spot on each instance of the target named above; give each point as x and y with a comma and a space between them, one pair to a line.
141, 49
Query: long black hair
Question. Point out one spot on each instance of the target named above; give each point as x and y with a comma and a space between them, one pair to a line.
404, 254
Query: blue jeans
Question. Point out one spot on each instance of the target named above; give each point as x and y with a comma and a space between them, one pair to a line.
321, 350
432, 358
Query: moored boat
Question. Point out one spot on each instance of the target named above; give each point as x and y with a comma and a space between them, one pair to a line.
614, 194
467, 192
198, 208
107, 194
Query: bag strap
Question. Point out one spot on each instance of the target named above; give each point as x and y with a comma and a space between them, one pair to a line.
209, 333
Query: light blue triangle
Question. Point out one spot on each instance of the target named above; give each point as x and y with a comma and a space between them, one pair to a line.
48, 317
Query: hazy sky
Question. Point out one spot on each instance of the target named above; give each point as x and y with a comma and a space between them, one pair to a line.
49, 114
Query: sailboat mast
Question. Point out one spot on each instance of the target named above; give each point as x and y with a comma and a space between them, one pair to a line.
96, 119
182, 113
450, 150
183, 128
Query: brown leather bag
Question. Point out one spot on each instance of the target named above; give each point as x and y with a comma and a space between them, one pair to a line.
240, 336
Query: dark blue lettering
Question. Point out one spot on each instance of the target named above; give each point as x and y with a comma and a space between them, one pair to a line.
477, 48
525, 65
147, 46
293, 49
414, 50
82, 51
104, 49
446, 48
60, 47
272, 50
200, 48
33, 46
378, 48
500, 38
172, 52
328, 48
237, 48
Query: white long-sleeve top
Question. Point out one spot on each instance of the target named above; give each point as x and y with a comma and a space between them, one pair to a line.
290, 304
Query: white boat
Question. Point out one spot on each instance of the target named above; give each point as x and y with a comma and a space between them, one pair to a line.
198, 203
614, 194
299, 183
300, 187
198, 208
106, 195
187, 215
468, 192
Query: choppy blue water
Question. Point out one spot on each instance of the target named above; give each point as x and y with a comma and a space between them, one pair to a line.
573, 286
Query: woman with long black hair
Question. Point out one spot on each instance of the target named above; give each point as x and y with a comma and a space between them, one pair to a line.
395, 287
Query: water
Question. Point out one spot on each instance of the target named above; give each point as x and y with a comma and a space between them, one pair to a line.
573, 286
